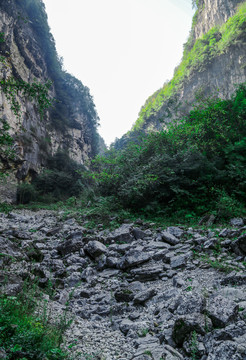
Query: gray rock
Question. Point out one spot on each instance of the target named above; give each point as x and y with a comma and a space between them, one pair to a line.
169, 238
234, 279
170, 353
74, 279
175, 231
189, 304
69, 246
237, 222
144, 296
138, 233
226, 350
124, 295
147, 273
126, 325
55, 230
210, 244
112, 262
241, 241
136, 258
178, 282
122, 234
183, 326
178, 261
221, 310
94, 248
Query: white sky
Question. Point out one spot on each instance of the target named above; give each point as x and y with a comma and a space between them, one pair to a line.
123, 50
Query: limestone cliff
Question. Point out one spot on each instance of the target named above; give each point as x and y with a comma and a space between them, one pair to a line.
214, 61
28, 54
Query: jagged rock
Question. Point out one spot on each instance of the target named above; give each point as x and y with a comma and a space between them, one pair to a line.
175, 231
169, 238
170, 353
74, 279
126, 325
241, 242
144, 296
95, 248
226, 350
147, 273
184, 325
178, 282
150, 346
189, 305
221, 310
124, 295
234, 279
21, 235
134, 259
237, 222
69, 246
112, 262
138, 233
53, 231
122, 234
178, 261
210, 243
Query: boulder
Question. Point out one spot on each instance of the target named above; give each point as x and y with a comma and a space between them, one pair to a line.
169, 238
94, 248
221, 310
185, 325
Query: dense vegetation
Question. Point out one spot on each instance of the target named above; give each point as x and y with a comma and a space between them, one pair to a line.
60, 180
195, 166
25, 328
196, 56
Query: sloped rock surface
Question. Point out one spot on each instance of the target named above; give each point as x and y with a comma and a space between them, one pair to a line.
133, 293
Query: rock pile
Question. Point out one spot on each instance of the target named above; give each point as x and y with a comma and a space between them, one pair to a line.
136, 292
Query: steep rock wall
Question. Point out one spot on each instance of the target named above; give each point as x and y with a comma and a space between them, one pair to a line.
220, 65
212, 13
28, 53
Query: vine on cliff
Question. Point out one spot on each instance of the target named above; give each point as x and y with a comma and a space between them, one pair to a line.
36, 92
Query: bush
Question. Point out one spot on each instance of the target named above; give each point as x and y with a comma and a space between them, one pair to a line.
26, 193
179, 168
25, 330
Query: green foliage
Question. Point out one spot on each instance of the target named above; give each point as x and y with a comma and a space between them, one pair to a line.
60, 180
34, 92
2, 37
195, 166
26, 193
25, 331
194, 346
6, 141
196, 57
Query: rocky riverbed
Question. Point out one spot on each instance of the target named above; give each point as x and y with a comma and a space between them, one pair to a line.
136, 292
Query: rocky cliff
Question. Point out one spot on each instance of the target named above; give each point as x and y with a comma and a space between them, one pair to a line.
214, 61
29, 57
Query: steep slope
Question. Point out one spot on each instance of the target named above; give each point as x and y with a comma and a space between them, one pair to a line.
214, 60
32, 79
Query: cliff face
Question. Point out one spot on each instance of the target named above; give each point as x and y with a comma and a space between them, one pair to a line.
28, 54
212, 13
214, 61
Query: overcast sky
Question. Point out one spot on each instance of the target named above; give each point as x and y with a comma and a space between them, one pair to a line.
123, 50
